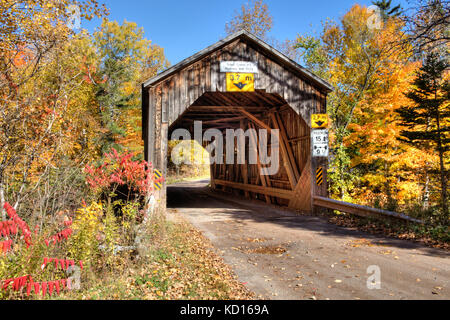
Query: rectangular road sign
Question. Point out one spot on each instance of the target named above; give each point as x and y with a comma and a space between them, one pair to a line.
239, 66
240, 82
319, 121
320, 146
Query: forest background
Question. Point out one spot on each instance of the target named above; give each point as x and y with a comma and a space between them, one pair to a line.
70, 107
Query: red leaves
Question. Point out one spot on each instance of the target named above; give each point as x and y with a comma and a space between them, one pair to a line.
50, 287
44, 288
56, 283
11, 226
5, 246
63, 263
30, 284
37, 288
60, 236
120, 169
27, 282
17, 283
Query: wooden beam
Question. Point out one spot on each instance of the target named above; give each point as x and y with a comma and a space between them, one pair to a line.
224, 120
225, 108
244, 168
359, 210
299, 139
284, 140
274, 192
284, 150
263, 178
255, 119
285, 159
302, 193
212, 168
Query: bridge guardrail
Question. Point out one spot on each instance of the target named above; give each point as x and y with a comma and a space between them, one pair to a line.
360, 210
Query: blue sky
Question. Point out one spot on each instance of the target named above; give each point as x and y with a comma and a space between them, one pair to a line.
183, 28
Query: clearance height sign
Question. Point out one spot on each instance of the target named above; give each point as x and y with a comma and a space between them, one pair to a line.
240, 75
240, 82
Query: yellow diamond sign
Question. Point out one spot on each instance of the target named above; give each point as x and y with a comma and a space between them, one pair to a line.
319, 121
240, 82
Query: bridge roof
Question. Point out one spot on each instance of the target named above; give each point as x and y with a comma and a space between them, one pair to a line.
249, 38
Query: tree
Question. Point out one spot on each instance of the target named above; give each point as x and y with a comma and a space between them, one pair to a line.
386, 9
391, 171
125, 59
428, 118
35, 88
427, 25
351, 56
254, 17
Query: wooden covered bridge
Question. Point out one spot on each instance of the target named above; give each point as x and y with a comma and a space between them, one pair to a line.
280, 95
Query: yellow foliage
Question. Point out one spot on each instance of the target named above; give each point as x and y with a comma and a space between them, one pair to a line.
87, 227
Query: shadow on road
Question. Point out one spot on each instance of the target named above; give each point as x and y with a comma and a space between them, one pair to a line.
197, 195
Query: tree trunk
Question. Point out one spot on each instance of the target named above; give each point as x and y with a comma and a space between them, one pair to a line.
442, 166
2, 202
443, 182
426, 192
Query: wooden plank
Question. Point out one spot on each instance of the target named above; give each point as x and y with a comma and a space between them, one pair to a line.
263, 178
212, 170
299, 139
302, 193
255, 119
171, 101
359, 210
285, 139
157, 119
224, 120
151, 127
165, 102
274, 192
286, 163
244, 167
288, 157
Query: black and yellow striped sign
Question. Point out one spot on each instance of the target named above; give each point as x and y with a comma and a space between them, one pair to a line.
319, 176
157, 177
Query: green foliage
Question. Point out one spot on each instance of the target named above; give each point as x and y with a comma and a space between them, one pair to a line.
342, 178
313, 54
427, 120
386, 8
125, 58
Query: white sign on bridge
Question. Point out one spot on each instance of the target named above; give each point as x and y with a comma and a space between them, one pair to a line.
320, 143
239, 66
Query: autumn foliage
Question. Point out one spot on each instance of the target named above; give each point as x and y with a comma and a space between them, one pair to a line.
25, 252
120, 170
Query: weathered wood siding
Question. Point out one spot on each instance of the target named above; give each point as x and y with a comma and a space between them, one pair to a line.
168, 99
182, 89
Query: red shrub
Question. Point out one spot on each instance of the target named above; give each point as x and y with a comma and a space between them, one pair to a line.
120, 170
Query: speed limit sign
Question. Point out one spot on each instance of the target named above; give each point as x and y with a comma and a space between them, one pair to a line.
320, 143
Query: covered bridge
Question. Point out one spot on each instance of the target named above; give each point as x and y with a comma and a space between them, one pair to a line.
281, 95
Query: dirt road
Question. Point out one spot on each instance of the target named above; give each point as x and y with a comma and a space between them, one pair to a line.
281, 255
